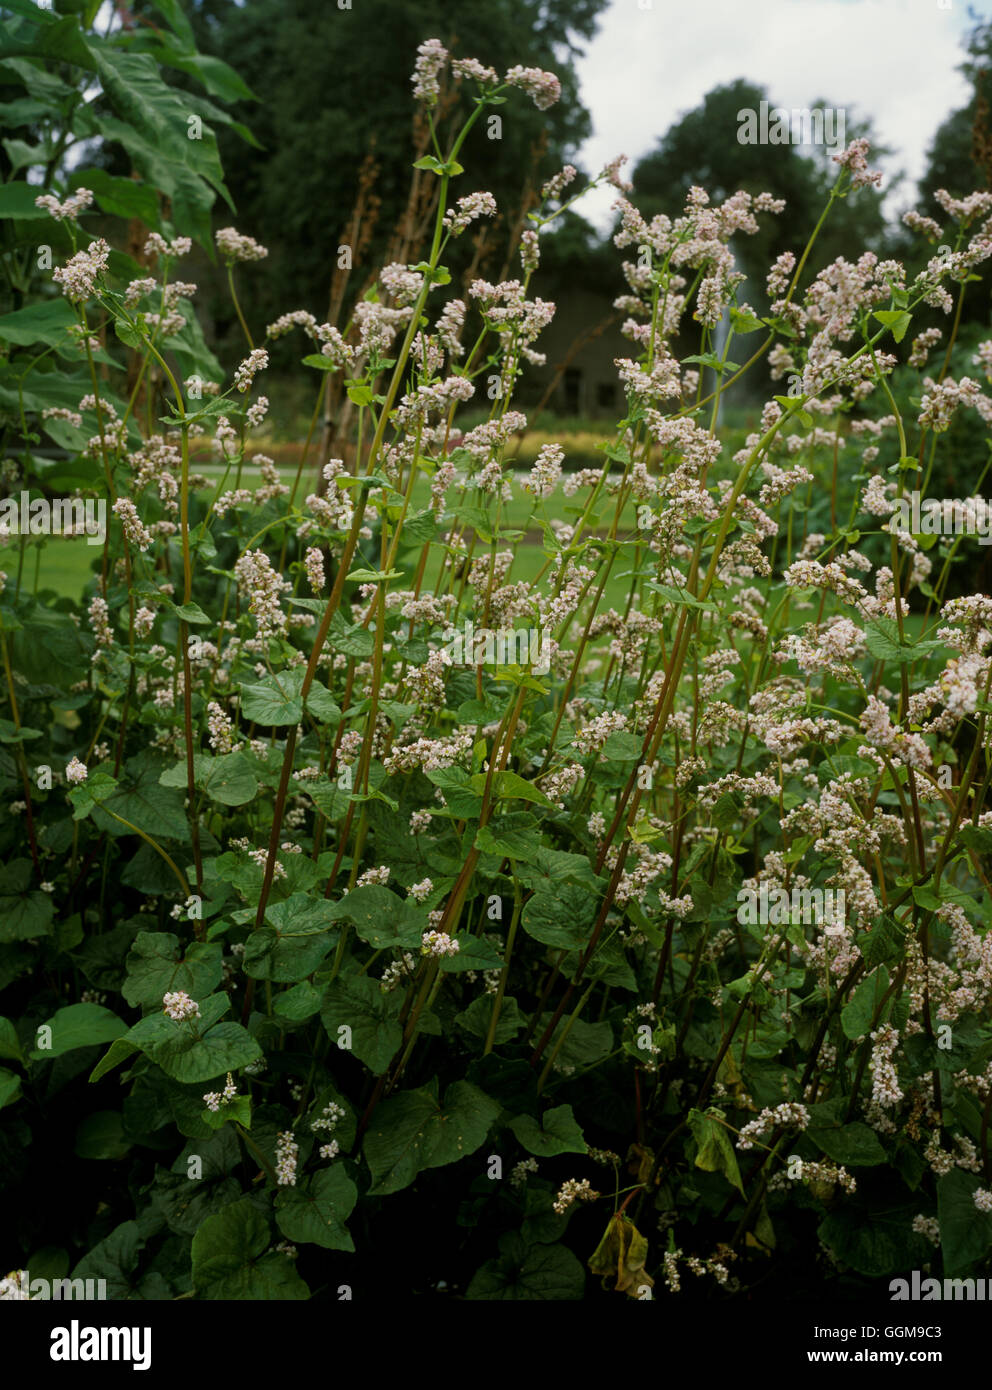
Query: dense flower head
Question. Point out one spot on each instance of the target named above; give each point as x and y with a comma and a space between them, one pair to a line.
468, 209
235, 246
542, 87
80, 274
179, 1006
70, 208
854, 158
432, 57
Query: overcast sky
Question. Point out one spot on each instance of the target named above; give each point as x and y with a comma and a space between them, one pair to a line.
893, 60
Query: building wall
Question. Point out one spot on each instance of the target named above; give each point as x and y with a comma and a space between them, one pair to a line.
590, 385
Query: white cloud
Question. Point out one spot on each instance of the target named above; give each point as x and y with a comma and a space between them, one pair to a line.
893, 60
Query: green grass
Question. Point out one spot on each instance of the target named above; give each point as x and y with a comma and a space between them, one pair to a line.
66, 565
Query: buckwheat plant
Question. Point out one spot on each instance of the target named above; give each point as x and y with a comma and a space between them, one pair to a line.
468, 908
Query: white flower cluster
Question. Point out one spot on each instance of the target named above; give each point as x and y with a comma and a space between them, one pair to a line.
70, 209
15, 1286
213, 1100
287, 1156
256, 361
180, 1006
574, 1190
787, 1115
439, 943
235, 247
76, 772
520, 1171
79, 275
331, 1115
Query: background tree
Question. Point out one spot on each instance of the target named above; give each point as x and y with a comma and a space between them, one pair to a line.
702, 147
335, 89
960, 155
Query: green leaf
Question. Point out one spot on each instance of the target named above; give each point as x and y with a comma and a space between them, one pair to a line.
505, 838
557, 1133
79, 1025
158, 811
350, 638
882, 642
320, 703
584, 1044
193, 1052
885, 942
316, 1211
474, 953
274, 701
359, 1004
528, 1273
172, 12
381, 917
367, 576
216, 77
554, 866
853, 1144
26, 916
114, 1259
716, 1152
876, 1241
508, 786
965, 1232
230, 780
299, 1003
119, 197
420, 527
191, 614
977, 837
236, 1111
476, 1018
10, 1045
229, 1259
561, 916
896, 319
101, 1135
284, 959
293, 943
10, 1087
17, 202
119, 1051
414, 1131
744, 322
459, 796
43, 322
711, 360
300, 915
156, 967
856, 1016
150, 121
681, 599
